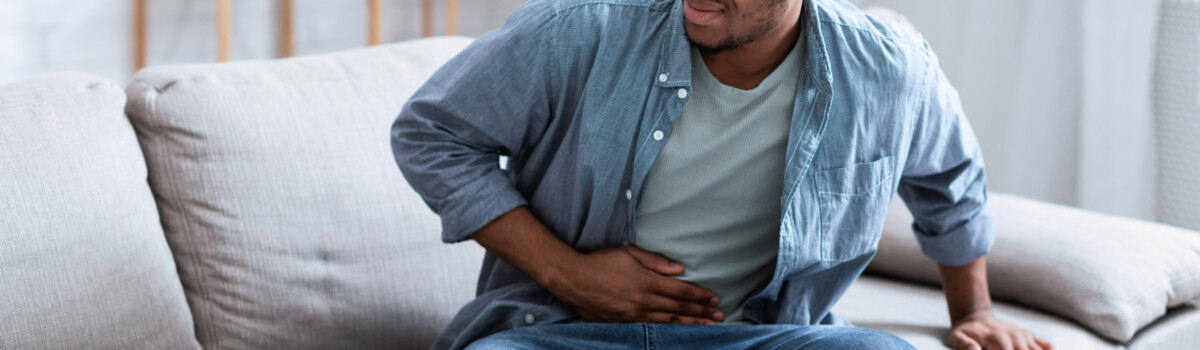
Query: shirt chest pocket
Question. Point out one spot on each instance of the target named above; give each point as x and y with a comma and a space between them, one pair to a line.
853, 203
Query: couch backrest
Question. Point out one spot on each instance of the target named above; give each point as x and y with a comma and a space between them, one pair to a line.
290, 222
83, 262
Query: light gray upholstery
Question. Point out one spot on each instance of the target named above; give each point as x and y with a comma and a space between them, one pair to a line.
1179, 329
291, 224
918, 314
83, 262
1110, 274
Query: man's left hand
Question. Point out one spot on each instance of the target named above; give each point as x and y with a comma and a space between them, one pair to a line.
983, 331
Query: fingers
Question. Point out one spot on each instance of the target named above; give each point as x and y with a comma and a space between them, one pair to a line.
1034, 343
1023, 339
679, 290
684, 308
1019, 342
960, 341
999, 342
653, 261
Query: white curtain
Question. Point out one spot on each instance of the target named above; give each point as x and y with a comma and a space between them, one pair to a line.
1059, 93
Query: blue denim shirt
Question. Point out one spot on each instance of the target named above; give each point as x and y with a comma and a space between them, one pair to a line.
573, 90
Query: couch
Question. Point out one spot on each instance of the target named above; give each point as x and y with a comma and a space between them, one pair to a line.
256, 205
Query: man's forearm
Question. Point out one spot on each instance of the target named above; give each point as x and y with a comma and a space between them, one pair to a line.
521, 240
966, 289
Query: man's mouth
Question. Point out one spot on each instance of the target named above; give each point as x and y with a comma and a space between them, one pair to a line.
702, 12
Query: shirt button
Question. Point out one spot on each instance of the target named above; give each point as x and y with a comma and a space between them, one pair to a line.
628, 194
662, 77
682, 93
658, 135
529, 319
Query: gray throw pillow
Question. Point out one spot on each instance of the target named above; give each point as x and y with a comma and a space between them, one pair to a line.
83, 260
292, 226
1113, 275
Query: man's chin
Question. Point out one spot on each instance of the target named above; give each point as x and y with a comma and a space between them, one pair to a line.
705, 43
707, 48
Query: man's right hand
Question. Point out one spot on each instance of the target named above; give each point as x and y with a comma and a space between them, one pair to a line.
622, 284
627, 284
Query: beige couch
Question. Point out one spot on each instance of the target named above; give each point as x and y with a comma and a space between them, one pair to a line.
256, 205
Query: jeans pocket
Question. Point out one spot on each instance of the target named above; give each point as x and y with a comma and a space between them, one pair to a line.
853, 202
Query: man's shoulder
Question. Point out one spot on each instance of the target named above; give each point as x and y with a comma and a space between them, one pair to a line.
568, 22
847, 19
873, 46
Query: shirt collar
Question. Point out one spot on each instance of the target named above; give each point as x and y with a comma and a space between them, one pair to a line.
676, 64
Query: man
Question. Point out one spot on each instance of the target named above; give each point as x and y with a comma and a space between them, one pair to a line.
679, 164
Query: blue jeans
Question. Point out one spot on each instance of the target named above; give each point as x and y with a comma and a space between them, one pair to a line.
670, 336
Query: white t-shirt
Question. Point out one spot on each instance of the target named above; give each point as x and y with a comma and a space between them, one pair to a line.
712, 199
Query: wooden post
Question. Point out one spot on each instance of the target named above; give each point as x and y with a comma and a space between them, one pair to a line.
139, 34
375, 22
426, 18
451, 17
224, 31
286, 39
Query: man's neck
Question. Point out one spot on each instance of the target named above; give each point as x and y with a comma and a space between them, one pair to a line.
746, 67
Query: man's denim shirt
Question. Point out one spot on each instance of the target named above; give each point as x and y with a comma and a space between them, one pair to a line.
573, 90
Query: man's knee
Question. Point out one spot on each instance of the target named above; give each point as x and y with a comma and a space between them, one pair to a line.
863, 338
846, 338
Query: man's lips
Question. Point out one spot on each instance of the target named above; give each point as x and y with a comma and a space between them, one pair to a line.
701, 12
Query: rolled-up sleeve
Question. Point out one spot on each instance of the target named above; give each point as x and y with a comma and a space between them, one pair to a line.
944, 184
492, 99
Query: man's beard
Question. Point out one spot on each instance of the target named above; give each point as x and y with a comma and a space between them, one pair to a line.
736, 40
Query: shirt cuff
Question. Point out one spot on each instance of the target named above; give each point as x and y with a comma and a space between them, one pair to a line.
473, 206
961, 245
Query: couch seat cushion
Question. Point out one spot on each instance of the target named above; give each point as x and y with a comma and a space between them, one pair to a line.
918, 314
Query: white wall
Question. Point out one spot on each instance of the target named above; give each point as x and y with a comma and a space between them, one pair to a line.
1059, 93
95, 36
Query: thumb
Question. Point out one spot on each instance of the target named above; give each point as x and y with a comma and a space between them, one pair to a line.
960, 341
655, 262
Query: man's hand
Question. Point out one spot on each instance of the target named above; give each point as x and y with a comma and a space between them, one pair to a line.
973, 326
627, 284
982, 330
623, 284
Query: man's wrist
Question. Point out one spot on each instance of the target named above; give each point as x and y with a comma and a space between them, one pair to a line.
521, 240
974, 314
966, 290
555, 270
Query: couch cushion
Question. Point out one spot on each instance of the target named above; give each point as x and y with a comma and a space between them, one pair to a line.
292, 226
83, 261
1177, 330
1113, 275
918, 314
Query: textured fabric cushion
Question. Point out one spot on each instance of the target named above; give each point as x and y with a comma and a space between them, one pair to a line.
918, 314
1179, 329
83, 261
292, 226
1110, 274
